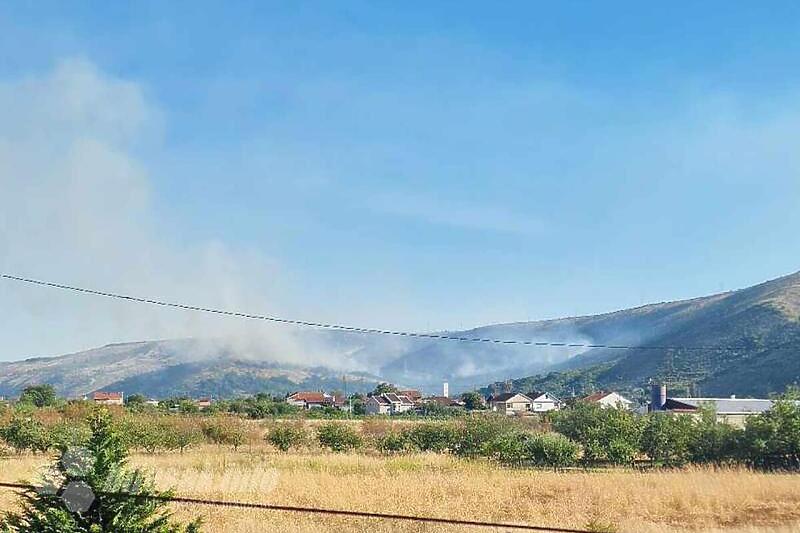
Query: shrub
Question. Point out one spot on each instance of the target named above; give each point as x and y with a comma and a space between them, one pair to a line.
431, 436
65, 434
180, 433
605, 434
287, 436
392, 442
338, 437
518, 448
475, 435
551, 449
228, 431
26, 433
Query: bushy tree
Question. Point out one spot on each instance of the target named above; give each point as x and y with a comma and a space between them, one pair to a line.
518, 448
772, 439
90, 492
338, 437
605, 434
39, 395
66, 434
666, 438
431, 436
383, 388
136, 403
476, 433
472, 401
287, 436
230, 431
392, 442
712, 441
26, 433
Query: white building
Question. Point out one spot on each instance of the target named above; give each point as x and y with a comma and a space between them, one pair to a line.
510, 403
609, 400
543, 402
388, 404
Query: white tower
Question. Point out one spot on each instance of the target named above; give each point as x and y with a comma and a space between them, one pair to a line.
445, 390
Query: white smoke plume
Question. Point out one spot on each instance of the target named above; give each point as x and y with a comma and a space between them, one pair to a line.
76, 207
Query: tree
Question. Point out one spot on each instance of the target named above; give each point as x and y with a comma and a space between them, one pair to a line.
605, 434
431, 436
712, 441
772, 438
472, 401
287, 436
38, 395
26, 433
666, 437
136, 403
92, 491
383, 388
338, 437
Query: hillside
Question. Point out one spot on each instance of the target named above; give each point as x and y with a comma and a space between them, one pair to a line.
759, 327
173, 367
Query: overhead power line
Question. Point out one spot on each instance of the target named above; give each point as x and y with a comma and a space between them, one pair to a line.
317, 510
353, 329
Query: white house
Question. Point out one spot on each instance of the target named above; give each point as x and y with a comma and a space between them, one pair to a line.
609, 399
388, 404
510, 403
541, 402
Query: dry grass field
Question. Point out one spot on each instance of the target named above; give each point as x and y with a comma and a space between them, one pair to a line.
437, 485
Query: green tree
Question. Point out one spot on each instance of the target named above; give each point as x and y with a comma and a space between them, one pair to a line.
338, 437
472, 401
666, 438
136, 403
287, 436
605, 434
38, 395
95, 493
26, 433
712, 441
383, 388
432, 436
772, 439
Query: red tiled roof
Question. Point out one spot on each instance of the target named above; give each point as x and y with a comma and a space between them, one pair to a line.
107, 396
596, 397
309, 397
413, 395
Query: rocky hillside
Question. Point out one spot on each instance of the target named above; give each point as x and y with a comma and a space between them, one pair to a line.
758, 326
174, 367
758, 329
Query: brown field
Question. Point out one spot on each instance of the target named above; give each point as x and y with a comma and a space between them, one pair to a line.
436, 485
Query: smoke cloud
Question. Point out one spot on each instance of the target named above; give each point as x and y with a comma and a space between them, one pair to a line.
76, 206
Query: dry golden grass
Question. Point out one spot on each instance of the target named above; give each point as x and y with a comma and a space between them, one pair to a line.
696, 499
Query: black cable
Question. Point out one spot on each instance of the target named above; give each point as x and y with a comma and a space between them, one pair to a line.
316, 510
357, 329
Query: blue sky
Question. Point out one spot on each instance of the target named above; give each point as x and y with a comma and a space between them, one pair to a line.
432, 165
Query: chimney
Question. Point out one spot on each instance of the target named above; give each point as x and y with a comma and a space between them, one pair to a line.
445, 390
658, 396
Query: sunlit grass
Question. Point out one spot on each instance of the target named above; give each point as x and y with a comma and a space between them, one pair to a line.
695, 499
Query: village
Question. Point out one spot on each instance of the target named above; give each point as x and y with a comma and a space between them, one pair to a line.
731, 410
